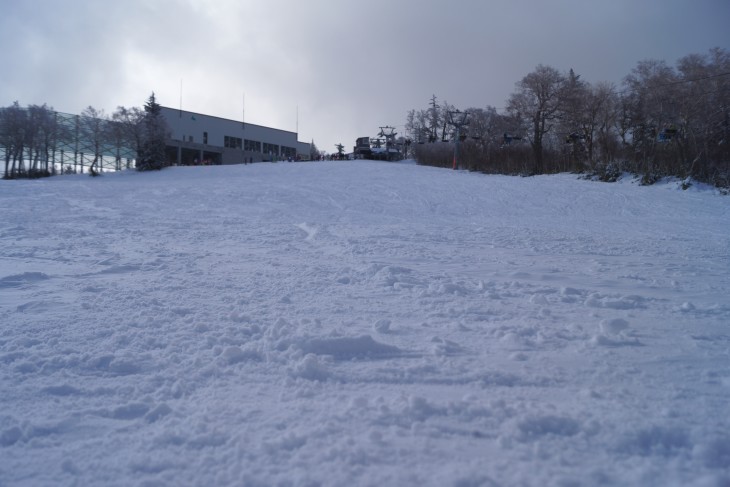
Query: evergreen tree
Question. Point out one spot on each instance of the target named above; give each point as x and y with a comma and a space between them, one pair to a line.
313, 151
152, 150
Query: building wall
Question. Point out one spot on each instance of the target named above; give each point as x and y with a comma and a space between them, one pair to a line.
230, 141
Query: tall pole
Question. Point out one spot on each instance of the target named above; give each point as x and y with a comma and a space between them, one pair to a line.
456, 149
243, 126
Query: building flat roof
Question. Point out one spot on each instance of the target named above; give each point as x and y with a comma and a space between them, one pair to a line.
228, 120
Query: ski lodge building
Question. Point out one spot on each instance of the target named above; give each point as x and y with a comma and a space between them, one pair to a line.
198, 139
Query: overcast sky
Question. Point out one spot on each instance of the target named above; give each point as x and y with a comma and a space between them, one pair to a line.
334, 69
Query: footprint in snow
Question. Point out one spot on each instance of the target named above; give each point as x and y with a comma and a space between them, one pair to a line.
614, 326
310, 230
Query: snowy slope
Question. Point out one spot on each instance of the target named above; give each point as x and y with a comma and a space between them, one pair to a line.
362, 323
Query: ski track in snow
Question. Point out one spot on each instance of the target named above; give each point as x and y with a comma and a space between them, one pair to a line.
361, 323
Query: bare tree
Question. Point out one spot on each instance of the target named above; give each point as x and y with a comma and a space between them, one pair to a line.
95, 131
6, 139
42, 134
574, 123
444, 119
602, 111
704, 114
663, 121
650, 108
537, 102
130, 124
13, 128
587, 122
418, 126
480, 139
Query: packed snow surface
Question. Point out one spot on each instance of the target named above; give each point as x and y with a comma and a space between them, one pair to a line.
362, 323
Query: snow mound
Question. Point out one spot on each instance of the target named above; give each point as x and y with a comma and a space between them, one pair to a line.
346, 348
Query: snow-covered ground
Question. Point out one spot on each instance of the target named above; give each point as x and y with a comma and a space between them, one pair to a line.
362, 323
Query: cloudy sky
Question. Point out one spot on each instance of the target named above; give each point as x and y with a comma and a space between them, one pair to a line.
333, 69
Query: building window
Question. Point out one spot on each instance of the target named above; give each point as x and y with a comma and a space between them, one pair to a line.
272, 149
232, 142
252, 145
288, 152
205, 137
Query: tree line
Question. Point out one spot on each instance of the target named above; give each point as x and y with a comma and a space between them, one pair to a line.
662, 121
37, 141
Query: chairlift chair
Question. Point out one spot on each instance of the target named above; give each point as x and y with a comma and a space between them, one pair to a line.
668, 133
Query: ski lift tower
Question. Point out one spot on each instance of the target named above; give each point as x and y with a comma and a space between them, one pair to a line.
389, 133
458, 119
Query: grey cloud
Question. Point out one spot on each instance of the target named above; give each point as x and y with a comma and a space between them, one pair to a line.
349, 66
